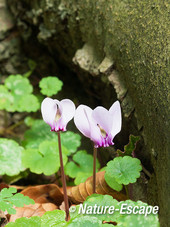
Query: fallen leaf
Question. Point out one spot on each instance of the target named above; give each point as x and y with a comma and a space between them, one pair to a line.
79, 193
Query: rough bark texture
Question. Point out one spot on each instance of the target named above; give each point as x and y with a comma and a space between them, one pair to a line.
123, 43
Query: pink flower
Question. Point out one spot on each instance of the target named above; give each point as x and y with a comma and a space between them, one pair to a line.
100, 125
57, 113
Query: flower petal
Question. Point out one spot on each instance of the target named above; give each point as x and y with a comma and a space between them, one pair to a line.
103, 118
81, 121
67, 111
115, 111
49, 110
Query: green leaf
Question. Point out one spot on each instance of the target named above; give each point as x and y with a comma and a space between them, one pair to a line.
82, 167
18, 85
28, 103
45, 159
53, 218
50, 85
111, 181
26, 222
85, 221
40, 132
19, 200
124, 170
7, 192
99, 201
19, 97
5, 98
10, 157
139, 219
130, 147
71, 141
8, 200
29, 121
6, 206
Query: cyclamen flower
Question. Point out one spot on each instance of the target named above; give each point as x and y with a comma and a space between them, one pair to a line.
57, 113
100, 125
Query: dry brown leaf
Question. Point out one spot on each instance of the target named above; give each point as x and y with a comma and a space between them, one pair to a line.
45, 193
32, 210
47, 198
79, 193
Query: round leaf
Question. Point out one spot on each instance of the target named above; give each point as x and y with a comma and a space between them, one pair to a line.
111, 181
10, 157
101, 201
82, 167
53, 218
28, 103
43, 160
85, 221
50, 85
26, 222
124, 170
18, 85
134, 220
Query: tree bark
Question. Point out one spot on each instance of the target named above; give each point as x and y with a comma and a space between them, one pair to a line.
123, 43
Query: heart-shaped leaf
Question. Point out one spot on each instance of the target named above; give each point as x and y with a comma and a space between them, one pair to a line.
45, 159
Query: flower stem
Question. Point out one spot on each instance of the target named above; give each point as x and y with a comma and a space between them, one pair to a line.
94, 169
63, 178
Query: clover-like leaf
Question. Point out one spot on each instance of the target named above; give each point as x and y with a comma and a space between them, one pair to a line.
53, 218
82, 167
10, 157
18, 85
50, 85
124, 170
26, 222
45, 159
40, 132
130, 147
5, 98
8, 200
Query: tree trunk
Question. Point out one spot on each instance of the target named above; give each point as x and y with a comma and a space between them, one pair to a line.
123, 43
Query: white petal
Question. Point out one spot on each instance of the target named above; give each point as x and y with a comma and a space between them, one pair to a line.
49, 110
82, 118
103, 118
115, 111
67, 111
